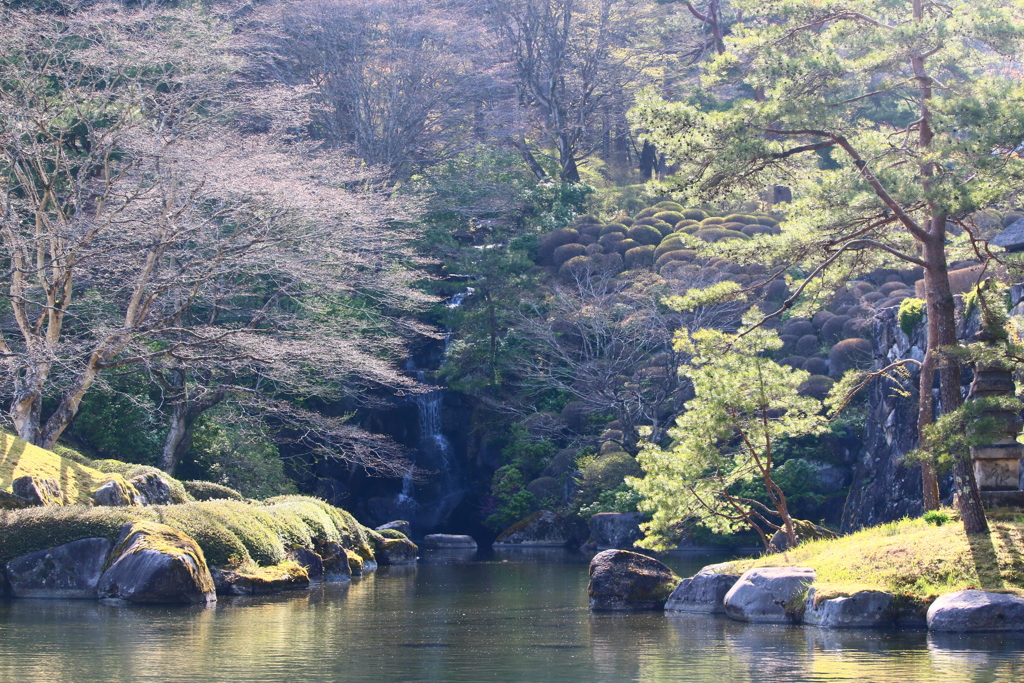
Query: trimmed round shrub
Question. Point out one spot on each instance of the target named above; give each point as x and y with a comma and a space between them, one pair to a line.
712, 220
685, 222
588, 219
586, 240
872, 297
207, 490
669, 244
626, 244
807, 345
751, 230
856, 327
767, 220
555, 239
832, 329
669, 206
889, 287
613, 227
740, 218
1011, 217
816, 386
639, 257
545, 488
566, 252
738, 227
799, 327
820, 318
678, 269
594, 250
608, 241
645, 234
606, 473
777, 290
849, 354
679, 255
694, 214
646, 213
816, 366
690, 229
795, 362
863, 288
788, 344
671, 217
593, 230
718, 234
577, 266
891, 302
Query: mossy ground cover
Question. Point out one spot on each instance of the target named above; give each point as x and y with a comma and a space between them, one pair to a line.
76, 478
232, 533
913, 558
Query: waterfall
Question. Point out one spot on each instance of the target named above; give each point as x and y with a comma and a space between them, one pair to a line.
434, 500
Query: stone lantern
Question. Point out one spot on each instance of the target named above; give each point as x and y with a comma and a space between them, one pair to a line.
997, 465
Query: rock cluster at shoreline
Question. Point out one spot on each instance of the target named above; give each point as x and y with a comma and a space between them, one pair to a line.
786, 595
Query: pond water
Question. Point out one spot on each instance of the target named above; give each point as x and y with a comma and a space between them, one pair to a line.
512, 615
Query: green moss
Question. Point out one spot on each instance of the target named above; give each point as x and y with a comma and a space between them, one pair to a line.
207, 490
910, 315
19, 459
129, 471
31, 529
162, 538
392, 533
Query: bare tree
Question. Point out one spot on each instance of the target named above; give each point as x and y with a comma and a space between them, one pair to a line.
398, 80
571, 61
139, 230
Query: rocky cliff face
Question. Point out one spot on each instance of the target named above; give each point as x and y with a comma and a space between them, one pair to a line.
887, 487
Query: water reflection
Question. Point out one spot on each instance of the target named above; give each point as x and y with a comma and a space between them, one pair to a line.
466, 616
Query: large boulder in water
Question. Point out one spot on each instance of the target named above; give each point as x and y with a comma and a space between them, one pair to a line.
541, 529
393, 551
448, 541
623, 580
974, 610
705, 592
398, 525
863, 609
71, 570
769, 595
153, 563
616, 529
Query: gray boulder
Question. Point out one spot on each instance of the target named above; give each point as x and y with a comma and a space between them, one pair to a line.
310, 561
67, 571
37, 491
448, 541
262, 581
863, 609
153, 563
701, 593
539, 530
395, 551
335, 562
397, 525
616, 529
153, 489
116, 493
623, 580
974, 610
769, 595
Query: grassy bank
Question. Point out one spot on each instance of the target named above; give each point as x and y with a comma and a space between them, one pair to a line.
913, 557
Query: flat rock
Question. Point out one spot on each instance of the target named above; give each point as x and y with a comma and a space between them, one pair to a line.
36, 491
863, 609
701, 593
974, 610
69, 571
616, 529
542, 529
153, 563
769, 595
624, 580
448, 541
263, 581
397, 525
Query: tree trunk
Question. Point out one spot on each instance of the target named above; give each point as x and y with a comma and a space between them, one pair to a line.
183, 419
941, 312
648, 159
68, 407
925, 416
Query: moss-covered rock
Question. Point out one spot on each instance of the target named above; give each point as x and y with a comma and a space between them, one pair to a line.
541, 529
117, 492
624, 580
288, 575
153, 563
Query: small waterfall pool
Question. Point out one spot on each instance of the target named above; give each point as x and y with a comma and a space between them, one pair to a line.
511, 615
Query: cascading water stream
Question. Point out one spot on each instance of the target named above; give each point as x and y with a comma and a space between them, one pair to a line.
435, 451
